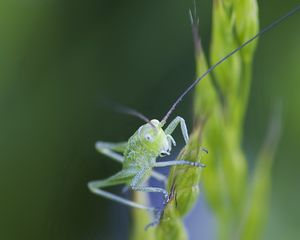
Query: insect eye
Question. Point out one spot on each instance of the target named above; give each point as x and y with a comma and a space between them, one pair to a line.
163, 154
148, 137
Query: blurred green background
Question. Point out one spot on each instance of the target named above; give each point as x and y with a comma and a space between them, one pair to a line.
59, 60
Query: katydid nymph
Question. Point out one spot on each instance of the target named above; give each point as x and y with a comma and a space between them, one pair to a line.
138, 155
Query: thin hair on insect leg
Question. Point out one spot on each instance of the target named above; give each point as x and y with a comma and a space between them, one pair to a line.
264, 30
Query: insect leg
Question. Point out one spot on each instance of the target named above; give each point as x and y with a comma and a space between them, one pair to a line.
121, 177
135, 185
158, 176
178, 162
138, 179
174, 124
111, 149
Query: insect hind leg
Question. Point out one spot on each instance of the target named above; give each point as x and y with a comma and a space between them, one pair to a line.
121, 177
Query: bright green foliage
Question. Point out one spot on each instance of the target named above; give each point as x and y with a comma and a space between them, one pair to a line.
226, 180
238, 204
237, 197
185, 184
186, 180
223, 41
205, 97
246, 25
259, 190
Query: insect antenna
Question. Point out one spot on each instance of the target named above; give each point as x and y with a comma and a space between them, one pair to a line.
135, 113
260, 33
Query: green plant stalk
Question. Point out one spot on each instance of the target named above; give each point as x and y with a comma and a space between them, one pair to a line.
140, 219
185, 182
238, 203
230, 171
235, 201
171, 226
255, 214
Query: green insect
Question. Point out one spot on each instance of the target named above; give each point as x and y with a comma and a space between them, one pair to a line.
138, 155
148, 143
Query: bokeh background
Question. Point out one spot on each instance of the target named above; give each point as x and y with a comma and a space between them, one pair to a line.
60, 60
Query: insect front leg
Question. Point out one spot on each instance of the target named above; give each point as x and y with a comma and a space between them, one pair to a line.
121, 177
178, 162
169, 130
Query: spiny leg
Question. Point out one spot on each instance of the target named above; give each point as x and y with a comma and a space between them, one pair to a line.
138, 180
110, 149
159, 211
158, 176
136, 186
169, 130
178, 162
172, 196
121, 177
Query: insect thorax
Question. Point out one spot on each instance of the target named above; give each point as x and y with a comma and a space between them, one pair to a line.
137, 155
